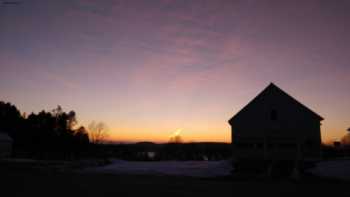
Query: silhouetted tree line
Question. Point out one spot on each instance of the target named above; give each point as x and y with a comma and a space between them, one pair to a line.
148, 151
45, 134
339, 149
335, 151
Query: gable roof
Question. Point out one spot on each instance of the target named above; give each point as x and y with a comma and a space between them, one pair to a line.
273, 87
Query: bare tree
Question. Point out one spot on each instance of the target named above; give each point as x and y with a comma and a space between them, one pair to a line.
98, 132
346, 138
71, 120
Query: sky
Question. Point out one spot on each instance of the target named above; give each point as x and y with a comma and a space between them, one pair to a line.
150, 68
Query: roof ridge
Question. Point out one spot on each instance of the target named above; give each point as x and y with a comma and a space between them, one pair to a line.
270, 86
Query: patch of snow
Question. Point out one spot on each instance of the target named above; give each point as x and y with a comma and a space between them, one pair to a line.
339, 169
5, 137
175, 168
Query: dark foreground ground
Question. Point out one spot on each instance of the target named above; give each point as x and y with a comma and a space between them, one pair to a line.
34, 182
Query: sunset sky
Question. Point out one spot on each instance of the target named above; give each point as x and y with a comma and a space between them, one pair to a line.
151, 68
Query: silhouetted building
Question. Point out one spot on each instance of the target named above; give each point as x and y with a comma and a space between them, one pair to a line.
275, 126
5, 145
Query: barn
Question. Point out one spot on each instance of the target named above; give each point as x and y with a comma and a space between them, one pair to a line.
5, 145
275, 126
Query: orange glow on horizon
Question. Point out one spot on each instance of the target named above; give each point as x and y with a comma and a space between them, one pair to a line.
217, 134
139, 135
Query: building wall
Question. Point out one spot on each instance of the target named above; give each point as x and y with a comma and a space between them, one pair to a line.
275, 126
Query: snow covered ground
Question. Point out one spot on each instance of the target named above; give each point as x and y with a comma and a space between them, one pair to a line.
339, 169
175, 168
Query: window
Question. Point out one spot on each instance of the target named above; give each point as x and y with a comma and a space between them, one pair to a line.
273, 114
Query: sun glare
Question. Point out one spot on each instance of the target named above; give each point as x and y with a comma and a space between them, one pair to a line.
176, 133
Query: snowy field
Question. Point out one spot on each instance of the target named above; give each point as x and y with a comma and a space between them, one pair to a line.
339, 169
174, 168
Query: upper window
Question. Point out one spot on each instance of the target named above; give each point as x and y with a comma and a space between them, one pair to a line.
273, 114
